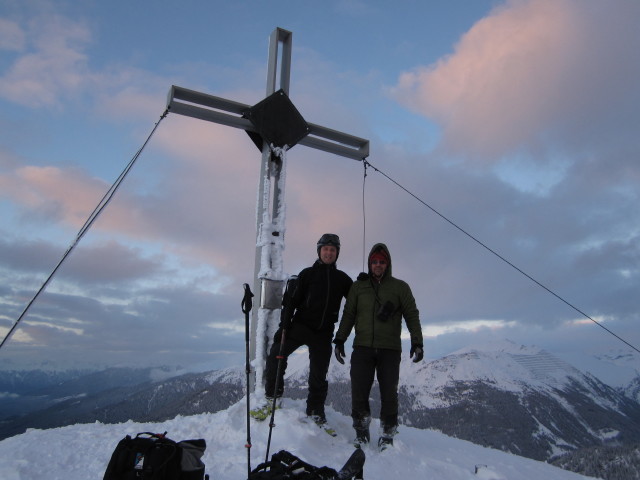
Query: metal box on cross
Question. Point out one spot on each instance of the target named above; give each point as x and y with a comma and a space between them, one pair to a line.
277, 121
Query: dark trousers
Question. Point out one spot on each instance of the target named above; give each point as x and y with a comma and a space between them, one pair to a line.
385, 365
320, 349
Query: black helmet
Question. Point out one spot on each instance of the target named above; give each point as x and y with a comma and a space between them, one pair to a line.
329, 239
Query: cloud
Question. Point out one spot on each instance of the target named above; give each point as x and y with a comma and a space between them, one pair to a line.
538, 75
53, 193
109, 298
170, 253
539, 95
51, 65
12, 37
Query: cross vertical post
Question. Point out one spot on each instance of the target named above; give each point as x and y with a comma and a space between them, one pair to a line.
275, 126
268, 273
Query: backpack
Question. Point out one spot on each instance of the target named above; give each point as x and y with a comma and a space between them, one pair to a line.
284, 465
153, 456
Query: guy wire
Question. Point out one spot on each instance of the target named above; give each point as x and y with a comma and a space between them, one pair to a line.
501, 257
92, 218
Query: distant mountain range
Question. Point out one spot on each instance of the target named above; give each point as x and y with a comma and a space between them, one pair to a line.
112, 396
523, 400
519, 399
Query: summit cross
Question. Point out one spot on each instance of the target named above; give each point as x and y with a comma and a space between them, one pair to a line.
275, 126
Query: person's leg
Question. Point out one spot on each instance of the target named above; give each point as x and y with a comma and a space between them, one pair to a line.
271, 368
363, 366
388, 373
320, 351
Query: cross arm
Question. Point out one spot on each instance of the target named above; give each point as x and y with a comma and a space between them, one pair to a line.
228, 112
332, 141
185, 102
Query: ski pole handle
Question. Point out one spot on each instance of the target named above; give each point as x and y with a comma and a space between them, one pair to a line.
247, 303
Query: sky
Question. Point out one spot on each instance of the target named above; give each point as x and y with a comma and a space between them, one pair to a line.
65, 454
504, 175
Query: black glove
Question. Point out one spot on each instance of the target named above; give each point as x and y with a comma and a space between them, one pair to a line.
418, 352
286, 317
288, 309
338, 351
363, 276
286, 320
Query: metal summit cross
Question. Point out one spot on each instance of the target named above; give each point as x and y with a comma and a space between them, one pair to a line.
274, 125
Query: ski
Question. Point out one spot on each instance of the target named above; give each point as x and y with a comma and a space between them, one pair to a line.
353, 467
264, 412
322, 425
328, 430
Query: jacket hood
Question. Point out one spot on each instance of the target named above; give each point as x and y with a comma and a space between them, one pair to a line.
380, 247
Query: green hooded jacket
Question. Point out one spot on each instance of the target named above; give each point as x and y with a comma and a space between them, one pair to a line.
363, 304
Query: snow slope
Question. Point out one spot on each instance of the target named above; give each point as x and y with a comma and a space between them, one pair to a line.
81, 452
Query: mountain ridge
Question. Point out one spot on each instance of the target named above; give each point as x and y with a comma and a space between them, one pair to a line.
515, 398
520, 399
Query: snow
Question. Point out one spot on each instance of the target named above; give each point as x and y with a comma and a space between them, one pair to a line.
82, 451
514, 368
617, 368
270, 241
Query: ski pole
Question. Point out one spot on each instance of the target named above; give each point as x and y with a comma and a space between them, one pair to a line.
275, 390
287, 314
246, 308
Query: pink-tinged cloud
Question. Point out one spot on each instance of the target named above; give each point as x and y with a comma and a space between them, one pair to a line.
52, 66
67, 195
529, 72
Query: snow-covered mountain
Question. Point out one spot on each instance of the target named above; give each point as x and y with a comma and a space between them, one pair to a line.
615, 367
80, 452
514, 398
114, 396
24, 391
632, 390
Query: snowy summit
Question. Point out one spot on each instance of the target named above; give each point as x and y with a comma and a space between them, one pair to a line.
81, 452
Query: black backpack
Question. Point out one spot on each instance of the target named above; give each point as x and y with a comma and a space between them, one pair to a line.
153, 456
284, 465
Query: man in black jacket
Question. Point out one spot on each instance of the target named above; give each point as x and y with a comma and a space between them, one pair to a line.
309, 315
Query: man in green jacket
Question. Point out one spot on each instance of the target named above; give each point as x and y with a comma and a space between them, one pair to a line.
375, 306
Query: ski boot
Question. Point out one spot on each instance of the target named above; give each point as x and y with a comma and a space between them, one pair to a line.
264, 411
386, 438
362, 437
384, 443
361, 426
320, 419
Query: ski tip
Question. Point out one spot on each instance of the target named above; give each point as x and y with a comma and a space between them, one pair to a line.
354, 466
358, 455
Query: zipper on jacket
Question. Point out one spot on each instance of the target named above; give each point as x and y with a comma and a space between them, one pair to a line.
326, 300
373, 313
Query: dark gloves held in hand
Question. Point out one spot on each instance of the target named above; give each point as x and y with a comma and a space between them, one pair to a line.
285, 324
338, 351
416, 353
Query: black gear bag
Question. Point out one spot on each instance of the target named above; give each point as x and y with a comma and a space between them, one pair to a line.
284, 466
153, 456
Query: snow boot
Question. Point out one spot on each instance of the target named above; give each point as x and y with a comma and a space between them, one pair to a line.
321, 421
361, 426
384, 443
264, 411
362, 437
